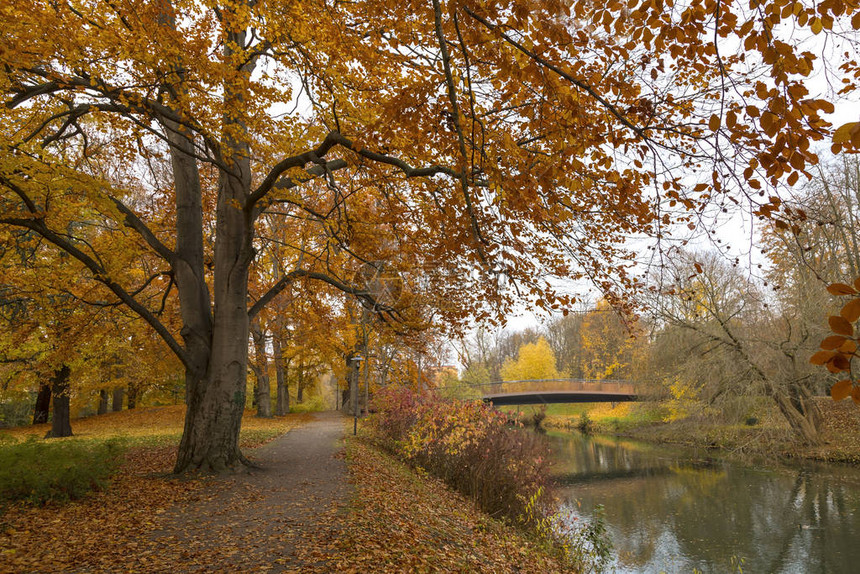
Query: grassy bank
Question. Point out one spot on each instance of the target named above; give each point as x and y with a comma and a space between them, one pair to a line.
399, 520
765, 433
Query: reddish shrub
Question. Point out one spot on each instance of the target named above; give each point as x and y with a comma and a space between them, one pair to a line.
475, 449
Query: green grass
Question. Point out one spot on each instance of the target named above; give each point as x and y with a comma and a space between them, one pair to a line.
605, 417
39, 471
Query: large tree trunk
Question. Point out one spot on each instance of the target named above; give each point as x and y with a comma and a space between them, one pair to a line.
103, 401
118, 398
261, 371
216, 395
282, 402
61, 425
215, 336
43, 405
216, 401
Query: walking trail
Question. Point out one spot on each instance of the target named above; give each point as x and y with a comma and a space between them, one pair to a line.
259, 519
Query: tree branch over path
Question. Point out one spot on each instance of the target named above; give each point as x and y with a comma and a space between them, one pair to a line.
275, 179
100, 274
612, 109
461, 139
134, 222
123, 102
285, 281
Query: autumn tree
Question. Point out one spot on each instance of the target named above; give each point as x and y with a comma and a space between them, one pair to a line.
505, 145
820, 260
564, 334
61, 341
534, 361
736, 343
608, 344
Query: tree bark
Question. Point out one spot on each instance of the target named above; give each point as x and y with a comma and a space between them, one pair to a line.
261, 371
798, 407
103, 402
216, 399
216, 392
61, 421
801, 424
133, 395
118, 397
43, 404
300, 388
282, 402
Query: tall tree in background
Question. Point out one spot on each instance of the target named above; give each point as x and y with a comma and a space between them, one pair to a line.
564, 334
499, 142
608, 346
534, 361
822, 252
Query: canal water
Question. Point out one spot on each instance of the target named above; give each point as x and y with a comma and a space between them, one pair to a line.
681, 511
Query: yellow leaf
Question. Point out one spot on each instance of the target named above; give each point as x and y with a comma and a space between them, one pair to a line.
843, 133
816, 25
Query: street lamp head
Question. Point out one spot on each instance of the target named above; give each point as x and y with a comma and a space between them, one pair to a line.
358, 358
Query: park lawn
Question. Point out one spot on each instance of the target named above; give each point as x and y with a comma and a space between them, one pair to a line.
101, 531
153, 425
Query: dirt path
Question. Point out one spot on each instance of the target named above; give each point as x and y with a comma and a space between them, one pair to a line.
255, 521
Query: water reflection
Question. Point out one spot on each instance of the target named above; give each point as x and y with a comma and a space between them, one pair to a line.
672, 511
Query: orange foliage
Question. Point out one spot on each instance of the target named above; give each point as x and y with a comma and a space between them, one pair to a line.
486, 149
840, 349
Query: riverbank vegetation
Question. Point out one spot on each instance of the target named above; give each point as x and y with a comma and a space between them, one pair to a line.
487, 456
722, 352
763, 433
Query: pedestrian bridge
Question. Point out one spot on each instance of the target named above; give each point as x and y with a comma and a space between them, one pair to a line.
546, 391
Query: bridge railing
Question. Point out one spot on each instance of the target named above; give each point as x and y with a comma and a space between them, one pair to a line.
557, 385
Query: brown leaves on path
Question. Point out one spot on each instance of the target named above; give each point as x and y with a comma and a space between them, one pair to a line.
97, 533
400, 521
257, 521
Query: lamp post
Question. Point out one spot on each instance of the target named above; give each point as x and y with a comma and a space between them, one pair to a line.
354, 394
